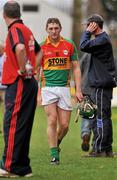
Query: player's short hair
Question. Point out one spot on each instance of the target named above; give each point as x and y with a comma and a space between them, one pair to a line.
12, 9
53, 20
97, 19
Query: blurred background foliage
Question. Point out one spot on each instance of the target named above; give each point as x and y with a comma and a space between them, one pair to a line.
79, 10
107, 8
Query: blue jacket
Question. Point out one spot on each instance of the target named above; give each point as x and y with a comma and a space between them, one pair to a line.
102, 68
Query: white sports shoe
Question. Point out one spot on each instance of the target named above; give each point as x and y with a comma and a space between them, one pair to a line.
28, 175
6, 174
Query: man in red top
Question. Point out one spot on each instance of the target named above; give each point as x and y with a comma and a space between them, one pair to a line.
21, 93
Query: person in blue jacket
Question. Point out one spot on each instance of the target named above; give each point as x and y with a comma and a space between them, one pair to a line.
101, 77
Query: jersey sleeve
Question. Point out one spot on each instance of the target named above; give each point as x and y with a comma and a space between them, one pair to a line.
74, 52
91, 45
16, 37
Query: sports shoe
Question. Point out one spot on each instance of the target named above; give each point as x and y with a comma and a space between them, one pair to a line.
96, 155
109, 154
85, 143
6, 174
54, 161
28, 175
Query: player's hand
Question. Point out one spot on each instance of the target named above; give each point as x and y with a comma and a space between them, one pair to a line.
79, 96
36, 76
21, 73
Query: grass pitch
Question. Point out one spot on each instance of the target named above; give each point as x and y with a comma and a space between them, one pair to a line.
73, 166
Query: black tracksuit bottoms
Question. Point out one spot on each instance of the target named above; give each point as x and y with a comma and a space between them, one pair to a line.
102, 126
20, 105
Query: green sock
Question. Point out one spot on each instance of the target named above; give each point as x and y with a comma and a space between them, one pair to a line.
54, 152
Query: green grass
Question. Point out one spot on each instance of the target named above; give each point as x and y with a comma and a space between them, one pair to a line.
73, 166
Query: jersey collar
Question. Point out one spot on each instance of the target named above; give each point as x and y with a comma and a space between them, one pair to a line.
49, 42
16, 21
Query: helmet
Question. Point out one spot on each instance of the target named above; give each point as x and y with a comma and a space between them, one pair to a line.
87, 109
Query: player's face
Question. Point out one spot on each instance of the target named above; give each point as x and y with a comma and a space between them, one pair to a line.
53, 30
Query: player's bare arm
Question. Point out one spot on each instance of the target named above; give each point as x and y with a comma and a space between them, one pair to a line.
77, 79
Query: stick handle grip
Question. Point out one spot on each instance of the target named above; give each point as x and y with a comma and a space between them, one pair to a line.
77, 115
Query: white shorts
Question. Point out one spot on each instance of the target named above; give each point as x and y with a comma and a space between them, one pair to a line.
60, 95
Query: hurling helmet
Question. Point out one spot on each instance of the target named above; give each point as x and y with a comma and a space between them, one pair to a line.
87, 109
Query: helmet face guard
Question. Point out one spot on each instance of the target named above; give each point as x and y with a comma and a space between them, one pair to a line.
87, 109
